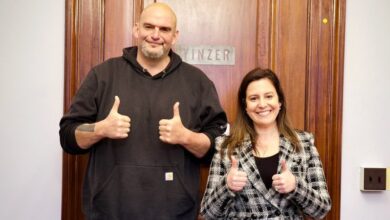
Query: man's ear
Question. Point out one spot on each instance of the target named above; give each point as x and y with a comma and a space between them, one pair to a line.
136, 30
176, 36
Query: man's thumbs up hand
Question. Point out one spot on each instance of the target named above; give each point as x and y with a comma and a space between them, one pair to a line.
176, 111
172, 130
115, 125
115, 106
236, 179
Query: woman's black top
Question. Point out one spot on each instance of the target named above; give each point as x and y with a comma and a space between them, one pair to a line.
268, 166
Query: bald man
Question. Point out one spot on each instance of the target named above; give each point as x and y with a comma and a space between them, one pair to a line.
148, 120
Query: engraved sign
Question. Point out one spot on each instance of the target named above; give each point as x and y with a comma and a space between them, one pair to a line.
206, 54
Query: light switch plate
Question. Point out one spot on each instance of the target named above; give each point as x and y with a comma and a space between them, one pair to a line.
388, 178
373, 179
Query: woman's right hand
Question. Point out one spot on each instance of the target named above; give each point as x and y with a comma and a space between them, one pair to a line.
236, 179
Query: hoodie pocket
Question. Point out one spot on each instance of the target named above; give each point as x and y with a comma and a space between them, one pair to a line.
143, 192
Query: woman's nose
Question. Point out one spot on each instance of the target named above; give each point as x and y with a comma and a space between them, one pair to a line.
261, 103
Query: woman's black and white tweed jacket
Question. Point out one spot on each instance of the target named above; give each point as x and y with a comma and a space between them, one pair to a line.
310, 196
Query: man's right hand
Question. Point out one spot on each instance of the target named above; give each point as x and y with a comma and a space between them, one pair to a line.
115, 125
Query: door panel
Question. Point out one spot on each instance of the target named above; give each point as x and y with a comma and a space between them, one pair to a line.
302, 40
289, 54
118, 25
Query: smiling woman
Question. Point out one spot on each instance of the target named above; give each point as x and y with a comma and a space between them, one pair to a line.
265, 168
262, 103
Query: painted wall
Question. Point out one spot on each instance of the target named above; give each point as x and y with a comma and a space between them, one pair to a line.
31, 98
366, 119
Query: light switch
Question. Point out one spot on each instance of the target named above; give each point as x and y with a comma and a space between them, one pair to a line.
373, 179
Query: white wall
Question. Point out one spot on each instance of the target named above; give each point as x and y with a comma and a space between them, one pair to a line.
366, 115
31, 98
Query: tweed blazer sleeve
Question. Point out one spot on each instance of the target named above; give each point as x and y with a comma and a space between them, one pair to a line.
217, 197
311, 193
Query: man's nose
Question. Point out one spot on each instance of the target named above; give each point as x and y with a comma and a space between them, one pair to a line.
156, 33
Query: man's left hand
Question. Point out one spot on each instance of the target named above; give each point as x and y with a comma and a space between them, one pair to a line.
172, 131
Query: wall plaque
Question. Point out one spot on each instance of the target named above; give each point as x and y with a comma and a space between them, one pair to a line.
207, 54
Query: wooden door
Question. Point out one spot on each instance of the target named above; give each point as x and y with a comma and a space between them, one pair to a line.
302, 40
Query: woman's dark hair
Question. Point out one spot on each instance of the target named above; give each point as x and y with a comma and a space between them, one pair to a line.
243, 124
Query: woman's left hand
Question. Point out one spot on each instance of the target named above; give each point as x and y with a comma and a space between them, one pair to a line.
284, 182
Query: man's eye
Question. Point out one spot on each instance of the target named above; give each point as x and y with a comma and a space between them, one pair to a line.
165, 29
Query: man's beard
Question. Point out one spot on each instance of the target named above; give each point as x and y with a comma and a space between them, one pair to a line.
152, 54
